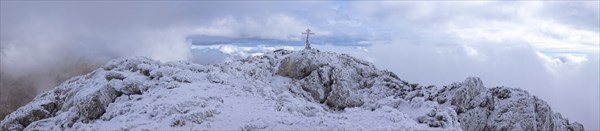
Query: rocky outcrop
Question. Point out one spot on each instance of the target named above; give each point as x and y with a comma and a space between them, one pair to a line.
335, 80
498, 108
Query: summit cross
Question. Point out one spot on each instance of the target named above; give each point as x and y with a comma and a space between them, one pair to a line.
308, 33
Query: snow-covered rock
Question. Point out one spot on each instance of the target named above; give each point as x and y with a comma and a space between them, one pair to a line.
302, 90
499, 108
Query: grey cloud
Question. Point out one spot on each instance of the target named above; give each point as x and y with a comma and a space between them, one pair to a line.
577, 14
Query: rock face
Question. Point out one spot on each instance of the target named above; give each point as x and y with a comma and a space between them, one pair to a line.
279, 90
335, 80
499, 108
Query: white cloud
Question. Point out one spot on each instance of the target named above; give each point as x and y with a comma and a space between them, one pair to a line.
546, 36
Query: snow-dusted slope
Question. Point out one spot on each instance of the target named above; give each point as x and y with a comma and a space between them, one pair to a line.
303, 90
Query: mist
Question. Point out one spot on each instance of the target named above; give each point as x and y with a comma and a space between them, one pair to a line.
46, 43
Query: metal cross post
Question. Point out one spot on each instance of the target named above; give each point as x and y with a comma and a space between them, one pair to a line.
308, 33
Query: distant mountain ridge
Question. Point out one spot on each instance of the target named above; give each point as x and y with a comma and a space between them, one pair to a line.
301, 90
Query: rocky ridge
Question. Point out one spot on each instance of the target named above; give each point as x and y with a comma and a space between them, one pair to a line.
278, 90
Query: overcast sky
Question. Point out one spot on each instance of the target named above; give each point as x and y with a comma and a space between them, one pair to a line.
550, 49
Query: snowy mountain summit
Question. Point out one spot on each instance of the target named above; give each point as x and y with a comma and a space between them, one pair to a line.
297, 90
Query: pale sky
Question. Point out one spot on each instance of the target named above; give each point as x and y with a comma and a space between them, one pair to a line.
549, 48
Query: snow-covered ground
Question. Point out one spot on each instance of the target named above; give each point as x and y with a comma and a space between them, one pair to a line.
297, 90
